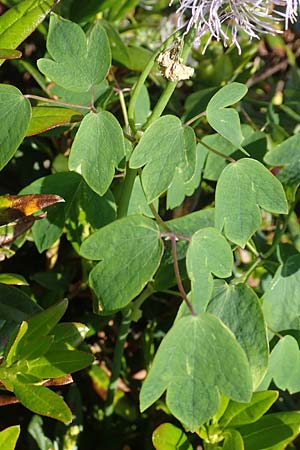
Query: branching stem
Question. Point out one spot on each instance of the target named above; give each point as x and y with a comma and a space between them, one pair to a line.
59, 103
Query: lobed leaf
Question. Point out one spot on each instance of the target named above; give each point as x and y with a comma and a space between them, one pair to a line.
77, 63
239, 309
130, 250
208, 253
225, 120
167, 150
280, 301
242, 187
198, 360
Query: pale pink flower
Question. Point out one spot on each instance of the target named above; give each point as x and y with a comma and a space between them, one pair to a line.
224, 19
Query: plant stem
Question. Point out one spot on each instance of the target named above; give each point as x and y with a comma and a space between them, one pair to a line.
171, 85
227, 157
144, 75
193, 119
57, 102
128, 315
278, 233
126, 192
178, 277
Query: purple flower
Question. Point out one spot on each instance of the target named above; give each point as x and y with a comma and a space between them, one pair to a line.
224, 19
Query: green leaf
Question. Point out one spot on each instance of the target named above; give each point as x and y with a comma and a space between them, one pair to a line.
47, 117
9, 437
9, 54
254, 143
102, 92
13, 279
194, 369
242, 187
280, 301
88, 211
284, 365
41, 400
21, 20
15, 113
233, 440
39, 326
238, 414
167, 150
271, 432
130, 250
179, 189
15, 305
191, 223
208, 253
70, 51
239, 308
287, 154
55, 364
66, 185
225, 120
35, 430
66, 335
169, 437
138, 203
97, 150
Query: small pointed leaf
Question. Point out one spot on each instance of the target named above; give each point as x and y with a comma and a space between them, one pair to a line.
169, 437
21, 20
9, 437
41, 400
47, 117
271, 432
238, 414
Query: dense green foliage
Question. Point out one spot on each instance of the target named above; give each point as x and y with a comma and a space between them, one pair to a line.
149, 238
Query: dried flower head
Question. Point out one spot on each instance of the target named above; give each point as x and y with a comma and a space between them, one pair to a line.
223, 19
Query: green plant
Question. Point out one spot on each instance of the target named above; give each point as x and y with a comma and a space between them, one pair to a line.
120, 169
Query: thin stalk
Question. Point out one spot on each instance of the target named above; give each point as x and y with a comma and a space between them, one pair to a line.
278, 234
144, 75
165, 97
127, 187
171, 85
57, 102
127, 316
193, 119
178, 277
159, 220
247, 274
250, 245
211, 149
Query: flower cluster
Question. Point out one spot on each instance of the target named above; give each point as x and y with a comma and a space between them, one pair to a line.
223, 19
